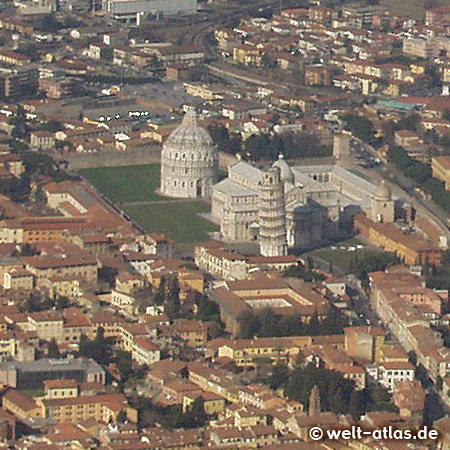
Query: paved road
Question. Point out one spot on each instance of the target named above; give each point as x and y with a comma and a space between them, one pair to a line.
157, 202
425, 208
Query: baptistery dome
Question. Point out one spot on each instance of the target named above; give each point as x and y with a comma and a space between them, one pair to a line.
188, 160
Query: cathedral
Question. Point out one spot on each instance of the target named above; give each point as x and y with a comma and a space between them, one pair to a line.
282, 207
313, 204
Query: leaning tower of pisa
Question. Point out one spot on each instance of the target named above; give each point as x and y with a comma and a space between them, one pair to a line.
272, 214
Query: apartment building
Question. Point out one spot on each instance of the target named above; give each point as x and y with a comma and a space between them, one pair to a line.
194, 332
246, 351
14, 58
364, 342
212, 257
21, 405
389, 374
47, 325
409, 318
440, 166
43, 140
60, 388
412, 249
32, 230
145, 352
104, 408
18, 280
63, 261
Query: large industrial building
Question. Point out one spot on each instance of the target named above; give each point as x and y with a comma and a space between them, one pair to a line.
32, 374
129, 9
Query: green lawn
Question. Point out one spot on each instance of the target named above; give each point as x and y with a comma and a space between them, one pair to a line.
126, 184
351, 261
177, 220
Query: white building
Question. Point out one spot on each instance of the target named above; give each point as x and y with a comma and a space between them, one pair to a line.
388, 374
319, 202
145, 352
189, 161
130, 8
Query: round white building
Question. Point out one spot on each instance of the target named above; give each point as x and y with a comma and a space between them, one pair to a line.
188, 161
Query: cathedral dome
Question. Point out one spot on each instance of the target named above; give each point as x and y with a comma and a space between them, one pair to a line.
189, 134
287, 176
383, 192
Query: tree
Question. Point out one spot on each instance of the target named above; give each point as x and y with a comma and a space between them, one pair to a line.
144, 296
249, 325
279, 376
355, 406
124, 363
99, 349
52, 125
227, 143
269, 322
121, 416
172, 307
207, 310
50, 24
335, 390
108, 275
195, 416
314, 326
173, 418
160, 296
266, 323
52, 349
28, 250
360, 126
19, 121
300, 271
35, 303
410, 122
82, 344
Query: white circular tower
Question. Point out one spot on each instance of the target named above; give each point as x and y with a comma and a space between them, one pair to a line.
188, 161
272, 214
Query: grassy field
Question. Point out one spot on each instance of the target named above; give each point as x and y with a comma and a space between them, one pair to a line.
176, 220
126, 184
339, 256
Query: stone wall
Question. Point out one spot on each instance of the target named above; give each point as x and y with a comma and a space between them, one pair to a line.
113, 158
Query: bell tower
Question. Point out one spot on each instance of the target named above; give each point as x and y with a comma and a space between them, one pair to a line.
272, 214
314, 402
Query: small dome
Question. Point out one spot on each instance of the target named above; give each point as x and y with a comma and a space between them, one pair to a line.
189, 133
383, 192
287, 176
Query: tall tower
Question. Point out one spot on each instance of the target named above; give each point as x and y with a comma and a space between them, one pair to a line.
272, 214
314, 402
341, 145
383, 206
